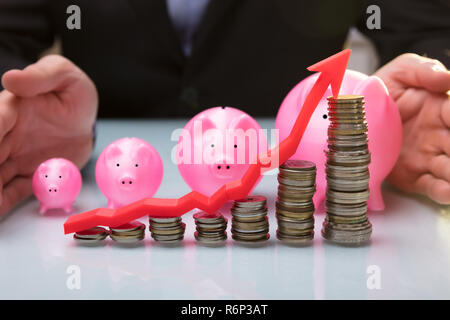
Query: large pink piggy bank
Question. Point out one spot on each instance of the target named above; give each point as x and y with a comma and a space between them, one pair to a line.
217, 146
128, 170
56, 184
383, 119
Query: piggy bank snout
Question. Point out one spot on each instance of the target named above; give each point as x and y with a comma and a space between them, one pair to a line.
52, 189
223, 168
127, 181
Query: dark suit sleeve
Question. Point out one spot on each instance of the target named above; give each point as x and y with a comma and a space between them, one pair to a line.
418, 26
25, 32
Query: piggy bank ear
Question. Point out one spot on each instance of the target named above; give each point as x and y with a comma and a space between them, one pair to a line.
207, 124
243, 122
43, 169
374, 91
112, 152
208, 129
65, 170
142, 154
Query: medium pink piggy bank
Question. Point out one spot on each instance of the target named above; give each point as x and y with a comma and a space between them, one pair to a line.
128, 170
383, 119
217, 146
56, 184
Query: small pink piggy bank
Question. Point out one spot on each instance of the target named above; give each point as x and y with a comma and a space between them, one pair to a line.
217, 146
128, 170
383, 119
56, 184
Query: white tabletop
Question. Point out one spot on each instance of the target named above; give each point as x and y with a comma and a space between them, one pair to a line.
408, 257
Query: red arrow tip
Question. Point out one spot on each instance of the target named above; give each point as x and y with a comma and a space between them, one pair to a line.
334, 67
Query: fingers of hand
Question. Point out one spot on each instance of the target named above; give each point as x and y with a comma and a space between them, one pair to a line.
8, 171
418, 71
14, 192
440, 167
445, 112
8, 112
435, 188
51, 73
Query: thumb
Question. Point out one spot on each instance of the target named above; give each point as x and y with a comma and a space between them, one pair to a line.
51, 73
417, 71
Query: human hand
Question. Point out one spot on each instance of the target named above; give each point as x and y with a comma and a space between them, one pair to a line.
46, 110
420, 88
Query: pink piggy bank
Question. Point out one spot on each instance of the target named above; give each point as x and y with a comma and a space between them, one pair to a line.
383, 119
128, 170
56, 184
217, 146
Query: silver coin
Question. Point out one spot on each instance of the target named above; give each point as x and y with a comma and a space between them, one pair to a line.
240, 239
157, 225
250, 224
165, 220
92, 234
93, 241
212, 240
130, 226
164, 238
296, 225
222, 224
169, 231
251, 201
295, 239
205, 217
298, 165
295, 183
127, 239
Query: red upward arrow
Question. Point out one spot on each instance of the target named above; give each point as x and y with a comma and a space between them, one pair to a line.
332, 72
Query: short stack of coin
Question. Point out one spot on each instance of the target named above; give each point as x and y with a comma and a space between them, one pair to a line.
294, 206
91, 236
131, 232
250, 223
348, 158
211, 228
167, 230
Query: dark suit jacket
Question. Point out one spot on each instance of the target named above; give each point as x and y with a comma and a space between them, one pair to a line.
246, 53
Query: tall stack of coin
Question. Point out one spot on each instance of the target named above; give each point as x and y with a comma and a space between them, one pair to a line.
211, 228
167, 230
131, 232
250, 222
348, 158
294, 206
91, 236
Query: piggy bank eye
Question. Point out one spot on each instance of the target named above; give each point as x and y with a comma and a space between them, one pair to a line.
136, 165
235, 146
212, 146
46, 176
60, 177
325, 116
117, 165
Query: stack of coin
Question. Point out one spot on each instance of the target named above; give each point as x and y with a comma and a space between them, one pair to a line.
294, 206
131, 232
167, 230
250, 222
91, 236
348, 158
211, 228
